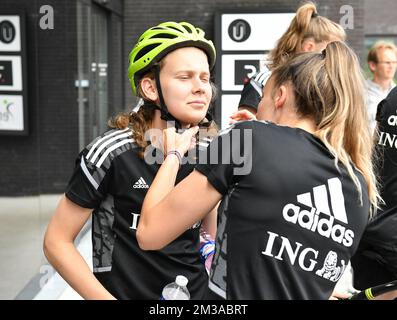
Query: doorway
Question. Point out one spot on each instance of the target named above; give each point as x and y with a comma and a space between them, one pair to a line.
92, 82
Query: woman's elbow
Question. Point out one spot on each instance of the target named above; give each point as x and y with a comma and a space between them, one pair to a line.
51, 244
48, 246
145, 241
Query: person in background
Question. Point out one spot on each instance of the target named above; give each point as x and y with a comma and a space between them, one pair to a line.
169, 68
375, 261
382, 62
307, 32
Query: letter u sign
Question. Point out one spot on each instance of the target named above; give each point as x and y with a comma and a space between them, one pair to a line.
239, 30
7, 32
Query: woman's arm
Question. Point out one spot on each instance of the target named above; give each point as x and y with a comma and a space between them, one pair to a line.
167, 212
209, 223
59, 248
186, 204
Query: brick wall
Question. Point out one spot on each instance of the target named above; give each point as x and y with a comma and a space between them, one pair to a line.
384, 20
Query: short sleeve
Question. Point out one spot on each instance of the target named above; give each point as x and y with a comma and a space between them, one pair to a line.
94, 168
228, 157
252, 91
88, 183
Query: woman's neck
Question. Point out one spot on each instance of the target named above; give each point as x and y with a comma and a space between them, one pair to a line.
292, 119
307, 125
161, 124
156, 128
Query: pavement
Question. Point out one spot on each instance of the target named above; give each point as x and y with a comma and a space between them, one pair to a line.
24, 271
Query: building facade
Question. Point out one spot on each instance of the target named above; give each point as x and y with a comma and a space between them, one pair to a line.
76, 73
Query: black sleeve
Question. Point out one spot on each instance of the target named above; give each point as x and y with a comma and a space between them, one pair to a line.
89, 183
387, 106
228, 157
380, 112
380, 237
249, 96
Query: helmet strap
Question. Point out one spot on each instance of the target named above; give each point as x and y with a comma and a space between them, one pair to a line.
165, 114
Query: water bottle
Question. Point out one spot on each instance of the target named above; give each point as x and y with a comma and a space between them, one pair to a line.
207, 249
176, 290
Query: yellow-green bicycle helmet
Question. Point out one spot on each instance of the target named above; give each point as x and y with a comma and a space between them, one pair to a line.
156, 42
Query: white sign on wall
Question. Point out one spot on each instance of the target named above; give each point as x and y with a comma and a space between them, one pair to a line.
11, 112
243, 41
261, 30
10, 73
10, 33
235, 67
13, 78
229, 104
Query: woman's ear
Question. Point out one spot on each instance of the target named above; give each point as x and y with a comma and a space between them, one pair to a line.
280, 96
149, 89
308, 45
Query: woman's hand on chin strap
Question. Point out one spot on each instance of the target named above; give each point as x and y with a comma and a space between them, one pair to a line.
181, 142
241, 115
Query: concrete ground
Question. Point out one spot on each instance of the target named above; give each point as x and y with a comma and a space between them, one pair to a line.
23, 221
52, 286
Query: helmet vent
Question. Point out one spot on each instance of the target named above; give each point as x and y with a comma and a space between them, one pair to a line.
171, 27
164, 36
145, 50
188, 29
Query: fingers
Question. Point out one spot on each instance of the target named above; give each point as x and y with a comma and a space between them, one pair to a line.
192, 131
338, 295
241, 115
189, 136
180, 142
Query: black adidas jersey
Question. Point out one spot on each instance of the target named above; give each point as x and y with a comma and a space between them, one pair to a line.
289, 220
387, 147
111, 178
376, 260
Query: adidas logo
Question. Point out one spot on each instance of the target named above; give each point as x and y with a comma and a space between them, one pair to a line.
327, 207
141, 184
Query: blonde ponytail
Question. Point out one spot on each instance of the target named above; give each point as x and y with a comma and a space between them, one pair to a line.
306, 24
330, 89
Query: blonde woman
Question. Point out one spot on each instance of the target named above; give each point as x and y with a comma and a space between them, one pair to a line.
295, 205
307, 32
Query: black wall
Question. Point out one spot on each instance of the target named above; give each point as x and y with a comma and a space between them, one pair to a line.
140, 15
42, 162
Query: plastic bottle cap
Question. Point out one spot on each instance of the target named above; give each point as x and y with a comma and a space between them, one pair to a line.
181, 281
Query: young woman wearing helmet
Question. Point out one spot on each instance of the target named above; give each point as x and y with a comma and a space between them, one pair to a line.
170, 69
290, 223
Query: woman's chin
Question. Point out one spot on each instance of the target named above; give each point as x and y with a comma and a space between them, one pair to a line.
192, 120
